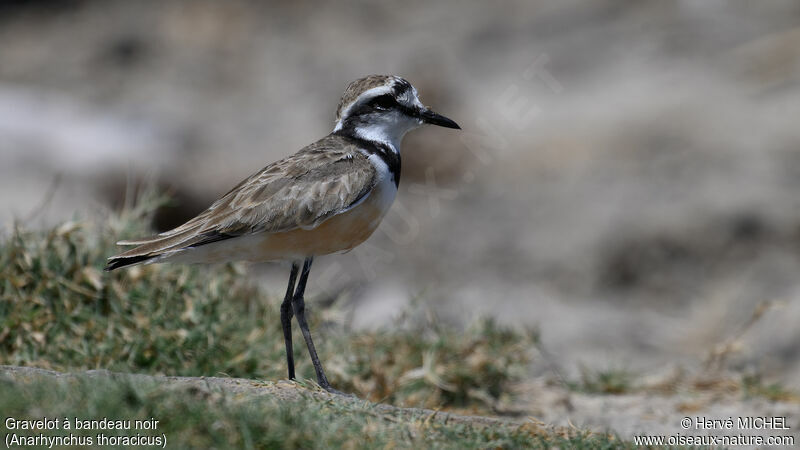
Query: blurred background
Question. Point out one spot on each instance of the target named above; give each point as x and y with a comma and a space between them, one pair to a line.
627, 179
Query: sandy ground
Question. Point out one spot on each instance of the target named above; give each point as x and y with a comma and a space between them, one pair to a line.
626, 179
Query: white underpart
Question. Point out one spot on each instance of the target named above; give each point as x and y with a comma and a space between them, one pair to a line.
385, 188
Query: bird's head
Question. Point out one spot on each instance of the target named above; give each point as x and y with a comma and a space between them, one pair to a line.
384, 108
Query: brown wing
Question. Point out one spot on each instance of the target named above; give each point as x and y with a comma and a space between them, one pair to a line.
300, 191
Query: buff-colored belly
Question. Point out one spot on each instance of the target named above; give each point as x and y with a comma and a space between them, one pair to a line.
340, 233
337, 234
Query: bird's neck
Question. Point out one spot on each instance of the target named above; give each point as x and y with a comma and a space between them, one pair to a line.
384, 134
379, 145
381, 135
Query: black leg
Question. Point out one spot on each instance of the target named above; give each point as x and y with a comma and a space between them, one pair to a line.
300, 312
286, 320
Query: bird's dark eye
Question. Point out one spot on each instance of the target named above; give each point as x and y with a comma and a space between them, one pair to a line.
383, 102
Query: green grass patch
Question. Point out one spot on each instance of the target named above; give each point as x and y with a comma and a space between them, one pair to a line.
609, 381
754, 386
59, 310
211, 418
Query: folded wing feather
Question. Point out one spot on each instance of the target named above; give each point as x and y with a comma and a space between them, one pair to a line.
301, 191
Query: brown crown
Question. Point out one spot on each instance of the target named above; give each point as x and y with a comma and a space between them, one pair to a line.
358, 87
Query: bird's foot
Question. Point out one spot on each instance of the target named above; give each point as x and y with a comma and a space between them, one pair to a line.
331, 390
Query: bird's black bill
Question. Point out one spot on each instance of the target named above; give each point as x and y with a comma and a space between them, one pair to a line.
438, 119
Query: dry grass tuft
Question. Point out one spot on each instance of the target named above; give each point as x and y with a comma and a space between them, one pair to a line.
58, 310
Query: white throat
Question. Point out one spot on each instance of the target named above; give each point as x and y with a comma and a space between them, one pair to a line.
382, 134
386, 129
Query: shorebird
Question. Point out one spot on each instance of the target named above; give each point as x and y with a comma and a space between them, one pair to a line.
327, 198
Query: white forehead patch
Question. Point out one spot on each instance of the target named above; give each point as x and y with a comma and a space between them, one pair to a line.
414, 98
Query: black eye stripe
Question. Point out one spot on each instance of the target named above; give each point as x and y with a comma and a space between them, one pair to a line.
371, 106
385, 101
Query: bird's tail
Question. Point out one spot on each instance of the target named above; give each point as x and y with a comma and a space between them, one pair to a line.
115, 262
158, 247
